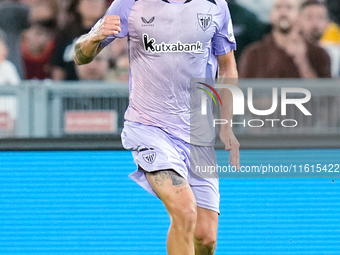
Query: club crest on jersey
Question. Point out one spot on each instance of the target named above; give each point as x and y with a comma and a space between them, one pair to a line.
204, 20
150, 157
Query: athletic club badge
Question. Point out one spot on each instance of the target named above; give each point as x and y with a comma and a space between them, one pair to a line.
204, 20
150, 157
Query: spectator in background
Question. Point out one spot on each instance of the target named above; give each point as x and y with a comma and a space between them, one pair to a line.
8, 76
117, 48
284, 53
8, 72
331, 35
56, 7
96, 70
29, 2
14, 19
314, 20
334, 10
119, 61
121, 71
44, 10
247, 27
37, 48
62, 16
82, 14
260, 7
39, 40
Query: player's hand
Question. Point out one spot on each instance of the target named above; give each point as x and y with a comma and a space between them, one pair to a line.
231, 144
110, 25
297, 49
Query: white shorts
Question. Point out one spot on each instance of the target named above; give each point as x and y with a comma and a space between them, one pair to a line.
153, 149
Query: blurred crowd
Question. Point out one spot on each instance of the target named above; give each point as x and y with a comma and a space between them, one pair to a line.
303, 42
275, 38
37, 41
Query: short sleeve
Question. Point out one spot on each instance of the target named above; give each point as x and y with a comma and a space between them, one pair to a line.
224, 39
121, 8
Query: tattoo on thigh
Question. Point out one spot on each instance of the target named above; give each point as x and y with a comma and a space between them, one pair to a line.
162, 176
181, 189
176, 179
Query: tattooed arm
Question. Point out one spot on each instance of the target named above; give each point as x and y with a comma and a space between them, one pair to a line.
88, 46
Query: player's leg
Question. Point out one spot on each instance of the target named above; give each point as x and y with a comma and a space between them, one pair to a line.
179, 200
205, 187
206, 231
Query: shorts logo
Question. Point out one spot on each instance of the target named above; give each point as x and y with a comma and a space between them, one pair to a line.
204, 20
150, 158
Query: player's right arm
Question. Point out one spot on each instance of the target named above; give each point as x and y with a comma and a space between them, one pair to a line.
88, 46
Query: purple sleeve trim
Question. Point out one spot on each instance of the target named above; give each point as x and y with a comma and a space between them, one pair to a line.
223, 46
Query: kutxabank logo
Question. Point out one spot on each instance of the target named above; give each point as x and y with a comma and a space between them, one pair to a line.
151, 46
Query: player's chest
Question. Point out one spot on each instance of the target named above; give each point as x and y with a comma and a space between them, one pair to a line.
172, 23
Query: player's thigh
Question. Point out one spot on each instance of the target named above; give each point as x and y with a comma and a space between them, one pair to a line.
207, 225
205, 185
174, 191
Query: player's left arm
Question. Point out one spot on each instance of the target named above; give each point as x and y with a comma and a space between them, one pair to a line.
228, 73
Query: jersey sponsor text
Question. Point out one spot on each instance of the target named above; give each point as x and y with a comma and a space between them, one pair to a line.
151, 46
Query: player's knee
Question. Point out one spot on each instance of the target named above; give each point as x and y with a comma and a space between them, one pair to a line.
184, 217
206, 239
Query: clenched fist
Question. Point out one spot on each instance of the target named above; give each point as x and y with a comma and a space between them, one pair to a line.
110, 25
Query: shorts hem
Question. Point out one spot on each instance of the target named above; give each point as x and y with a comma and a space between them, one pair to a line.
212, 208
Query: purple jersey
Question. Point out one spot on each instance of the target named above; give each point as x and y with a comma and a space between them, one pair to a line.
171, 42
